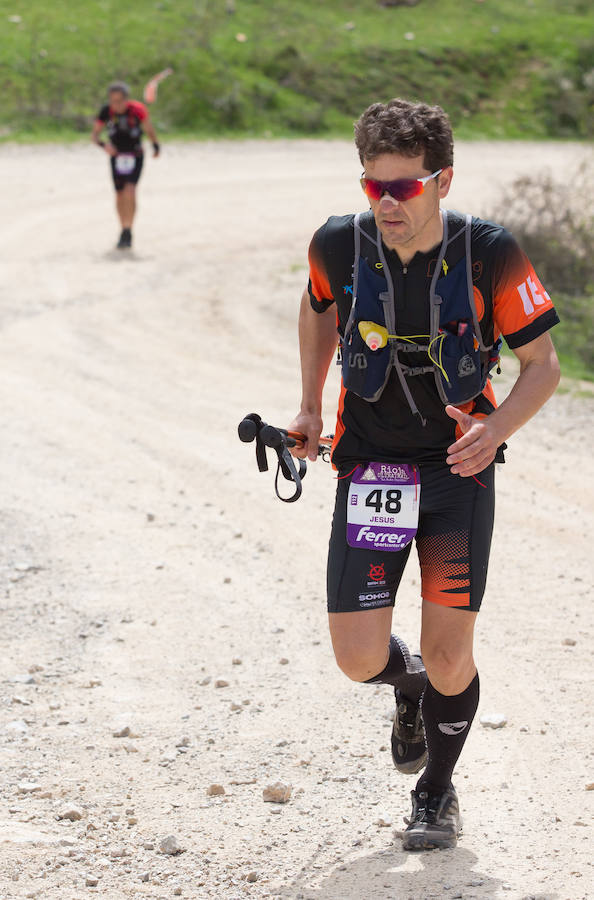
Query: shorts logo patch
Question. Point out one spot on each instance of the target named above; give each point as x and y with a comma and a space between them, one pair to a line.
377, 573
452, 727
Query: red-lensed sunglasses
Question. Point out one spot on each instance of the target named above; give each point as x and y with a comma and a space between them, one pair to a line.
401, 189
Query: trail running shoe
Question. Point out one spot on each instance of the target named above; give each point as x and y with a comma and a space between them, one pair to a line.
435, 822
125, 240
408, 736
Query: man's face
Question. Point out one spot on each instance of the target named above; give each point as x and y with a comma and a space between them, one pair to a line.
118, 101
406, 222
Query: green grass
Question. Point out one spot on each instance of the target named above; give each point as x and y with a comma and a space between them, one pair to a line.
502, 68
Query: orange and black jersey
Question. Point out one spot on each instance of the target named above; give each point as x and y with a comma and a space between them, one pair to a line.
125, 129
510, 301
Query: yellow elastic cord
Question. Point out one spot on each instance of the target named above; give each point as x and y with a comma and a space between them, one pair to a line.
437, 362
410, 339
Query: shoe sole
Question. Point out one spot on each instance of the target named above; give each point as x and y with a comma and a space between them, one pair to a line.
425, 840
412, 767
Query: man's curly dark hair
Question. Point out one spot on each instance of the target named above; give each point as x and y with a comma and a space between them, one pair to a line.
410, 129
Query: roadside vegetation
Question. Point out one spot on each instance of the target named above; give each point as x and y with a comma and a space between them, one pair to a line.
502, 68
554, 223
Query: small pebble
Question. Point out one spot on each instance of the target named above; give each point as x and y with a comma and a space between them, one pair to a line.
251, 877
277, 792
170, 845
493, 720
71, 813
28, 787
221, 683
215, 790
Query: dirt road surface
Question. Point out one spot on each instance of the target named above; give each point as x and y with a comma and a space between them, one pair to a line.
163, 615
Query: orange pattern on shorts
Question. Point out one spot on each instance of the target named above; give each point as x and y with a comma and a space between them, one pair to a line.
445, 568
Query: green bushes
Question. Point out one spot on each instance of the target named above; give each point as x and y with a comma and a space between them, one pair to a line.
501, 69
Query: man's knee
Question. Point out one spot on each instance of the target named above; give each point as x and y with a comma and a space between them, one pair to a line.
360, 665
448, 666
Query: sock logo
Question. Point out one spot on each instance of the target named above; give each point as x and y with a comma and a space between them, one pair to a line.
452, 727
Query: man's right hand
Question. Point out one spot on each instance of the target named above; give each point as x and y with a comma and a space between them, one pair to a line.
110, 150
309, 424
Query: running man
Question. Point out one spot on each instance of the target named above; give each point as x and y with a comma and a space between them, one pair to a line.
421, 297
124, 120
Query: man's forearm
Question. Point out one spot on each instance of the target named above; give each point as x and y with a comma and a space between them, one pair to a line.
317, 344
535, 384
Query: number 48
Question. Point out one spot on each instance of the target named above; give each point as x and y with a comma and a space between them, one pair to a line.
374, 499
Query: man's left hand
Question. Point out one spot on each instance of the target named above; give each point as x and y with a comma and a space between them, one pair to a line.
477, 447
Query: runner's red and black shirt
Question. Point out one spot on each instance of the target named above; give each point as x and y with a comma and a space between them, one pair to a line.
510, 301
125, 129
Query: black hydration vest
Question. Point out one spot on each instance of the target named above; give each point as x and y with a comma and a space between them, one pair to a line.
456, 354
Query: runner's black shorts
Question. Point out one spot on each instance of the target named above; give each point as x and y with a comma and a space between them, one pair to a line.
453, 543
119, 180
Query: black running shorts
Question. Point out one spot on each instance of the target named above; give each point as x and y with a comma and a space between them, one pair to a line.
119, 179
453, 544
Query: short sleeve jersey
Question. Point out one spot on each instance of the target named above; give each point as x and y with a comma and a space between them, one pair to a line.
125, 129
510, 301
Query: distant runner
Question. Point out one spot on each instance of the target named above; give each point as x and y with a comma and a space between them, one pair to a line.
124, 120
421, 297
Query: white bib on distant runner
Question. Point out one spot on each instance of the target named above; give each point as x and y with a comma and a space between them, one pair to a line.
125, 163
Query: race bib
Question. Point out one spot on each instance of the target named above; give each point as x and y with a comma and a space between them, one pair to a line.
383, 506
125, 163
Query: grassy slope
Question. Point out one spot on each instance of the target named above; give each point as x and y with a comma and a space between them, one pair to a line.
501, 68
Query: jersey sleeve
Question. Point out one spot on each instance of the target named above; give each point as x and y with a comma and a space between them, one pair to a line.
139, 109
320, 292
522, 309
103, 114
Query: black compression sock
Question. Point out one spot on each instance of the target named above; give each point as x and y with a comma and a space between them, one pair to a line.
447, 722
405, 672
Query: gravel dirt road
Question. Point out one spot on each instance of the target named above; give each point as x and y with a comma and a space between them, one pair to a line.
163, 615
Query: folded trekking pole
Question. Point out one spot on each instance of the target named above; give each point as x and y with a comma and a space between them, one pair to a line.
253, 428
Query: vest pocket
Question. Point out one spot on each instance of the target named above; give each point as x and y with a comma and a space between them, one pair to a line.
461, 363
364, 371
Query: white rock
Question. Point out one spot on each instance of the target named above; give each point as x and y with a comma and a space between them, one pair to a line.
17, 726
277, 793
28, 787
22, 679
384, 820
493, 720
170, 845
91, 881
